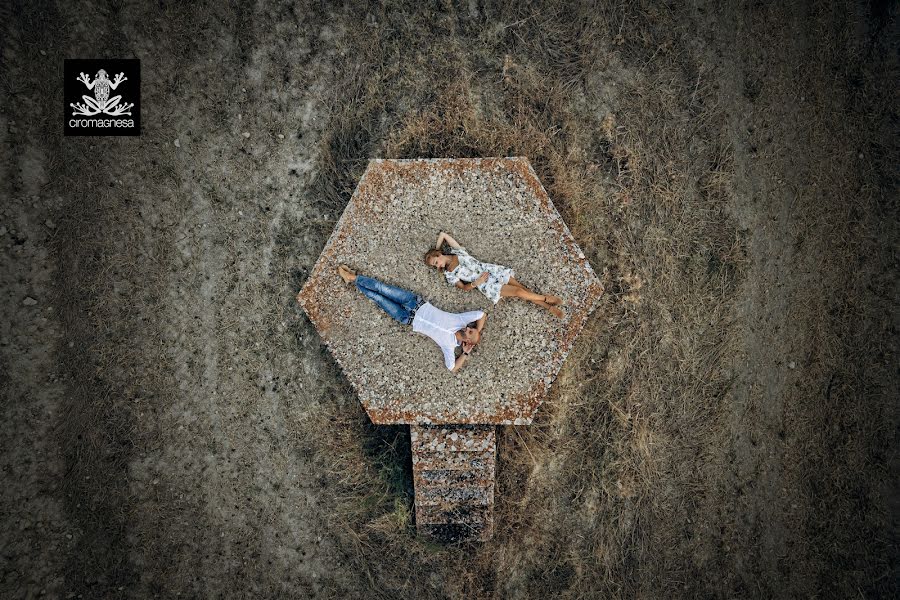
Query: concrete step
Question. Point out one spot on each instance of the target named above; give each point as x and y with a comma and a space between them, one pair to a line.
462, 438
460, 513
440, 495
450, 533
454, 477
455, 461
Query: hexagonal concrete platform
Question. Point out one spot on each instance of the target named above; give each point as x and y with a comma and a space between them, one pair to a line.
496, 208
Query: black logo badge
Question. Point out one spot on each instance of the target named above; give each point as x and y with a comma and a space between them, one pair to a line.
102, 97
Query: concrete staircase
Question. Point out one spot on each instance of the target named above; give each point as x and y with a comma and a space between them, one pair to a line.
453, 475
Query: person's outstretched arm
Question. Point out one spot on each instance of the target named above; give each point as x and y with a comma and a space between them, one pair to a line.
444, 237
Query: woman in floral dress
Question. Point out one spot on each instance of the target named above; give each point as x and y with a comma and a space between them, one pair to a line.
494, 281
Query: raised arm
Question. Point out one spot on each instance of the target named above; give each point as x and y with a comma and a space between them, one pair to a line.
479, 324
444, 237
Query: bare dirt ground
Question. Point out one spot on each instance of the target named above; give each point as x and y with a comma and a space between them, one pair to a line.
726, 426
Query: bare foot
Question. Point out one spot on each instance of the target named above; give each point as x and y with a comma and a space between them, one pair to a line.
555, 311
346, 274
554, 300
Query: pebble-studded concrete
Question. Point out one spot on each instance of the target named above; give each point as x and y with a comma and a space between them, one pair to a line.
498, 210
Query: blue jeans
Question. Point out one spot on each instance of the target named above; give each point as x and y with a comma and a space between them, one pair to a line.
397, 302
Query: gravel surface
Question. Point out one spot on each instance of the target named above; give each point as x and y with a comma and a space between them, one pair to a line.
498, 210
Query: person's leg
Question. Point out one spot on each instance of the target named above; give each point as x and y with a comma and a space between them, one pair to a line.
391, 292
397, 311
554, 300
515, 282
371, 288
512, 291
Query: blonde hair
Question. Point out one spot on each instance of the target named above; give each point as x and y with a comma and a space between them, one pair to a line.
433, 254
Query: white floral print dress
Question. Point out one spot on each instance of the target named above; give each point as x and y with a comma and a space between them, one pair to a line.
469, 269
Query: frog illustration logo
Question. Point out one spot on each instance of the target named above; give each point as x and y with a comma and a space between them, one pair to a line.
101, 102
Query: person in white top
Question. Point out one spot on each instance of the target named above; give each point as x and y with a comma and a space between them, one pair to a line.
448, 330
